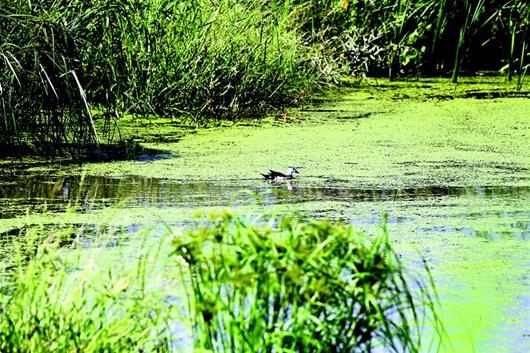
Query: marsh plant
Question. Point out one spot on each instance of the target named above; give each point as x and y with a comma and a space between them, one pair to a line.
265, 284
279, 284
428, 37
70, 69
70, 298
67, 65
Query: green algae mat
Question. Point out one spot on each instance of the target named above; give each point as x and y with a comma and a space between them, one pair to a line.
448, 164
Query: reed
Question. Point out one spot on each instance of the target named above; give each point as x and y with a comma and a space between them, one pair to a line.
62, 61
281, 284
426, 36
43, 101
520, 32
523, 66
70, 69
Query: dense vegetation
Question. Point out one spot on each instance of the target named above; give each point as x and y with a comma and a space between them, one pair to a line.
298, 287
70, 69
263, 284
61, 297
430, 37
63, 61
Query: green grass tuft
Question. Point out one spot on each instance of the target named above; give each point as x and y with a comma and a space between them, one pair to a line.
296, 286
99, 299
270, 284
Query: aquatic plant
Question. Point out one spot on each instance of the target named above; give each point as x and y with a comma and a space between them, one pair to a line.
69, 70
97, 299
42, 98
422, 36
281, 284
290, 285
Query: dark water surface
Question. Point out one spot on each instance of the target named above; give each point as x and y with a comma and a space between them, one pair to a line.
27, 194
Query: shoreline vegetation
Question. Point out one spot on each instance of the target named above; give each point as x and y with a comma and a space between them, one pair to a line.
71, 70
238, 284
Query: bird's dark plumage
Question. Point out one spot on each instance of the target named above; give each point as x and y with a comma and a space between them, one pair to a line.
274, 175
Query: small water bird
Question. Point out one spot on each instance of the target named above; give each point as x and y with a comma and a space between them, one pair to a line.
273, 175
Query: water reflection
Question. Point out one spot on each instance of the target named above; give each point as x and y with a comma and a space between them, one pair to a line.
24, 194
36, 190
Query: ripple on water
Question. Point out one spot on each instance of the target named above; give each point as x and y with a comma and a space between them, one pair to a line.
434, 208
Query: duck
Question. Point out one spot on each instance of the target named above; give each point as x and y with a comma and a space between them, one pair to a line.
273, 175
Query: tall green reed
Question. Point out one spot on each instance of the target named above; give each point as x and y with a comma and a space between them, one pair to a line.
64, 60
70, 69
41, 94
281, 284
523, 66
423, 36
474, 12
519, 27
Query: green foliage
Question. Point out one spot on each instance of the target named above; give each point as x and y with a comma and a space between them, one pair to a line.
62, 60
192, 59
88, 300
290, 286
42, 99
425, 36
294, 286
67, 64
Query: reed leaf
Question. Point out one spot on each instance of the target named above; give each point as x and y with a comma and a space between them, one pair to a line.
302, 286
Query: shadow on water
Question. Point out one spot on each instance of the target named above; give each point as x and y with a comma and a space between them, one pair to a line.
29, 194
95, 192
65, 154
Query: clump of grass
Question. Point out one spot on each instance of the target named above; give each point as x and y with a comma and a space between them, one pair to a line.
98, 299
287, 285
298, 286
43, 103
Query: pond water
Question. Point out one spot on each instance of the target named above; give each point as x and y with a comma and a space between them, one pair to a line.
53, 194
452, 176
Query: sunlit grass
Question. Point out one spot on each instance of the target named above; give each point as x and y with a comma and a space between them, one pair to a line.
280, 284
90, 299
65, 65
257, 284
